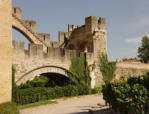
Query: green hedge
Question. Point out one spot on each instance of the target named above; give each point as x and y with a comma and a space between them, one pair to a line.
128, 96
8, 108
31, 95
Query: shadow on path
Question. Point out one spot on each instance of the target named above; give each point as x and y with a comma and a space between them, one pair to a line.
103, 111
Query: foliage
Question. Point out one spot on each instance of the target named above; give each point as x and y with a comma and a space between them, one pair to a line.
107, 68
38, 81
38, 89
14, 87
126, 96
8, 108
96, 90
79, 73
31, 95
143, 50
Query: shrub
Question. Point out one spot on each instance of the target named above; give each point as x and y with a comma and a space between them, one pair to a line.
126, 96
96, 90
31, 95
8, 108
38, 81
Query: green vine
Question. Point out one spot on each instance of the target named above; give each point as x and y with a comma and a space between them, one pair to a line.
79, 73
107, 68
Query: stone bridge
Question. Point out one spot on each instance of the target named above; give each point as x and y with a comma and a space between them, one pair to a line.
33, 62
45, 56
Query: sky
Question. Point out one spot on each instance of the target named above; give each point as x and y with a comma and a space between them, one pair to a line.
127, 20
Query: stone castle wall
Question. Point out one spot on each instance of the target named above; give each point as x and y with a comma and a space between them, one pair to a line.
127, 69
27, 60
5, 50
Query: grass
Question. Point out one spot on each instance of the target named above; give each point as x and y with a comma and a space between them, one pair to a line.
37, 104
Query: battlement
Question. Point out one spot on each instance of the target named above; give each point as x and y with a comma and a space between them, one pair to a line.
17, 11
44, 37
31, 24
70, 28
36, 51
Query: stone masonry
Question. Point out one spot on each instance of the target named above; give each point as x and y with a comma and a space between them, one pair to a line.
5, 50
45, 56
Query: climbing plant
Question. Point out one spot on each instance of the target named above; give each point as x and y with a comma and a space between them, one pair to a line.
14, 88
107, 68
79, 73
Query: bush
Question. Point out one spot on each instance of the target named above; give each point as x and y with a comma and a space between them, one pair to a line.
96, 90
126, 96
8, 108
31, 95
38, 81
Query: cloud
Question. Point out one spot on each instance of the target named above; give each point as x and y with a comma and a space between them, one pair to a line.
135, 40
143, 22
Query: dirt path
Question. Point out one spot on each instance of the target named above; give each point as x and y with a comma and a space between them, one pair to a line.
76, 105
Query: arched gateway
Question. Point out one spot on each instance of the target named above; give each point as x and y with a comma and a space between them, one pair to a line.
41, 70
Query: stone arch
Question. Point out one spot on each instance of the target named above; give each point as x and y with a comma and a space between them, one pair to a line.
18, 25
40, 70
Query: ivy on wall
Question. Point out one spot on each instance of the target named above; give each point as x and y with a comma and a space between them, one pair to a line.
107, 68
79, 73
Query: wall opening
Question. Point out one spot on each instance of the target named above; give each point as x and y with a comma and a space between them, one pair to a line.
19, 36
56, 79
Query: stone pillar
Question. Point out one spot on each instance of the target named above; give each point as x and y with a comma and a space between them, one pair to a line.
5, 50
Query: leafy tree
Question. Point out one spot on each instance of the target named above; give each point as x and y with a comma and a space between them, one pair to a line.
107, 68
79, 73
143, 50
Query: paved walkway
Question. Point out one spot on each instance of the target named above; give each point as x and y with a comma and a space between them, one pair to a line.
76, 105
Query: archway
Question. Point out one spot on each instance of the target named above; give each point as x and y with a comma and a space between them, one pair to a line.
42, 70
19, 25
56, 79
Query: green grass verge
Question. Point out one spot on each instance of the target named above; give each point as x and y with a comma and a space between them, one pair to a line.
37, 104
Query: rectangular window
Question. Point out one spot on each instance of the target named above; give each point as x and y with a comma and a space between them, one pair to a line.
44, 37
15, 10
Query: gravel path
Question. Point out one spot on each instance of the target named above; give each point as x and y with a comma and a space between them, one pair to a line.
76, 105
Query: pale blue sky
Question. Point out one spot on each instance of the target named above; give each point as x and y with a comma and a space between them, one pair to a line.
127, 20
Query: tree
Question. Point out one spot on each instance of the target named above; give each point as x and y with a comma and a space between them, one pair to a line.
143, 50
79, 73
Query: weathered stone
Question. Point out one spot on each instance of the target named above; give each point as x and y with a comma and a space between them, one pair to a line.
5, 50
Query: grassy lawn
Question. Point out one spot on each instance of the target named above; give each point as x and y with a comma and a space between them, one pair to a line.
37, 104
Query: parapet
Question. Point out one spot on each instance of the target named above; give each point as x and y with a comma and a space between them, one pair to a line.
102, 23
36, 50
31, 24
44, 37
54, 44
63, 36
70, 28
17, 11
102, 20
18, 45
91, 23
